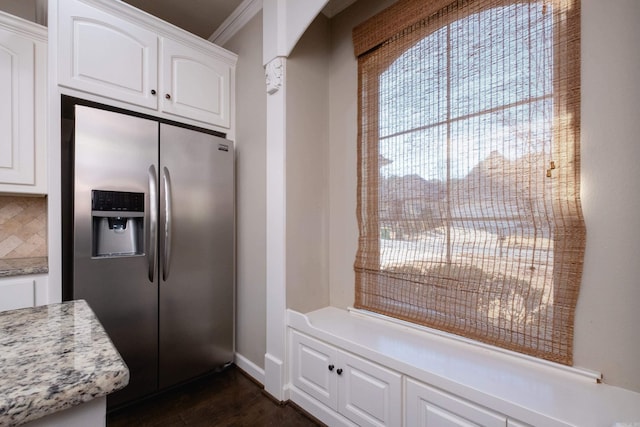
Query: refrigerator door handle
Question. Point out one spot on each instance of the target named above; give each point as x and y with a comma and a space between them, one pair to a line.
166, 259
152, 259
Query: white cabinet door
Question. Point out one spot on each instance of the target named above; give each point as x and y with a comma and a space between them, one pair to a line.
114, 51
369, 394
427, 406
195, 85
22, 106
106, 55
17, 137
23, 291
313, 369
17, 293
364, 392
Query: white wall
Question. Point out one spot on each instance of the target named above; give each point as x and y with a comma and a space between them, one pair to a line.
307, 268
608, 315
343, 131
250, 192
25, 9
31, 10
608, 312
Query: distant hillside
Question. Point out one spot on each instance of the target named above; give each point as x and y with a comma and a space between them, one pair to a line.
495, 188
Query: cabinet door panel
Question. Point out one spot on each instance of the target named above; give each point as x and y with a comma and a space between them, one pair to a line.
370, 395
427, 406
310, 369
438, 417
195, 85
105, 55
17, 137
17, 293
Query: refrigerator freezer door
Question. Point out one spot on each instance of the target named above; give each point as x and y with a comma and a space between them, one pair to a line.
197, 298
113, 152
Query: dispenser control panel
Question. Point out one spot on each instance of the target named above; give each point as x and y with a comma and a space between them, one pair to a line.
117, 219
117, 201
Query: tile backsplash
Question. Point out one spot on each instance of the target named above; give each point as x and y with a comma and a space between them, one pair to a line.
23, 227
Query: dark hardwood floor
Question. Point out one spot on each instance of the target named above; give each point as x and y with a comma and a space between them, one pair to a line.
227, 398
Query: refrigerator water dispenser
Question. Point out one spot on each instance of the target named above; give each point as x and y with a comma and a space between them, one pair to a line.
117, 223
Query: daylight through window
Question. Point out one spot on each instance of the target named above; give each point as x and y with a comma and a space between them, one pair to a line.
468, 201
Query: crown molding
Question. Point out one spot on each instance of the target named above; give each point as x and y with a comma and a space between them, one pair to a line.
238, 19
23, 27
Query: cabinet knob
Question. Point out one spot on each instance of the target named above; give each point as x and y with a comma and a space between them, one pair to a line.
339, 371
331, 367
167, 96
153, 91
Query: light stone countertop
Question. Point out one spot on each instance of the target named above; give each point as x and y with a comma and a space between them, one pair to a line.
54, 357
23, 266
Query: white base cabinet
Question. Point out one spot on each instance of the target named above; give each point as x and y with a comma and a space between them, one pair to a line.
341, 388
364, 392
349, 368
23, 71
91, 413
22, 291
427, 406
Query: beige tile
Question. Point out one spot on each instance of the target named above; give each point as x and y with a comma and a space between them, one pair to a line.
30, 248
32, 227
8, 245
9, 211
23, 227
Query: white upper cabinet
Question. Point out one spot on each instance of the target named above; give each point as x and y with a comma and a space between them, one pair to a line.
23, 55
195, 85
119, 53
105, 55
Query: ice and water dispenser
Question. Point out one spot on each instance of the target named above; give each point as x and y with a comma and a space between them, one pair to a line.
117, 223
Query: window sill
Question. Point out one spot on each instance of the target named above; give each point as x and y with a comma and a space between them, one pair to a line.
571, 370
520, 387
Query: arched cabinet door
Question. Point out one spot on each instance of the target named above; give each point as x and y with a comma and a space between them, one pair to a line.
23, 73
195, 84
122, 55
102, 54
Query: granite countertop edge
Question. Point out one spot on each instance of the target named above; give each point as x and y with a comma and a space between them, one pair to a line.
54, 357
10, 267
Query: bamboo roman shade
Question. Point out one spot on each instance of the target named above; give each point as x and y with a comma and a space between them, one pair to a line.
468, 176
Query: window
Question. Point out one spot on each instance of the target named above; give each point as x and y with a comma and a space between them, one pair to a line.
468, 203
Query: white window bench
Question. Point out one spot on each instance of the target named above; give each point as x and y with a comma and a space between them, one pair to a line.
348, 369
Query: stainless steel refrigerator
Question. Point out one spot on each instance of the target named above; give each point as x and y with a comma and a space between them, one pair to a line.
149, 242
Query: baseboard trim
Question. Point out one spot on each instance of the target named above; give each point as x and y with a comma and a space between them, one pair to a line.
250, 368
317, 410
274, 377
